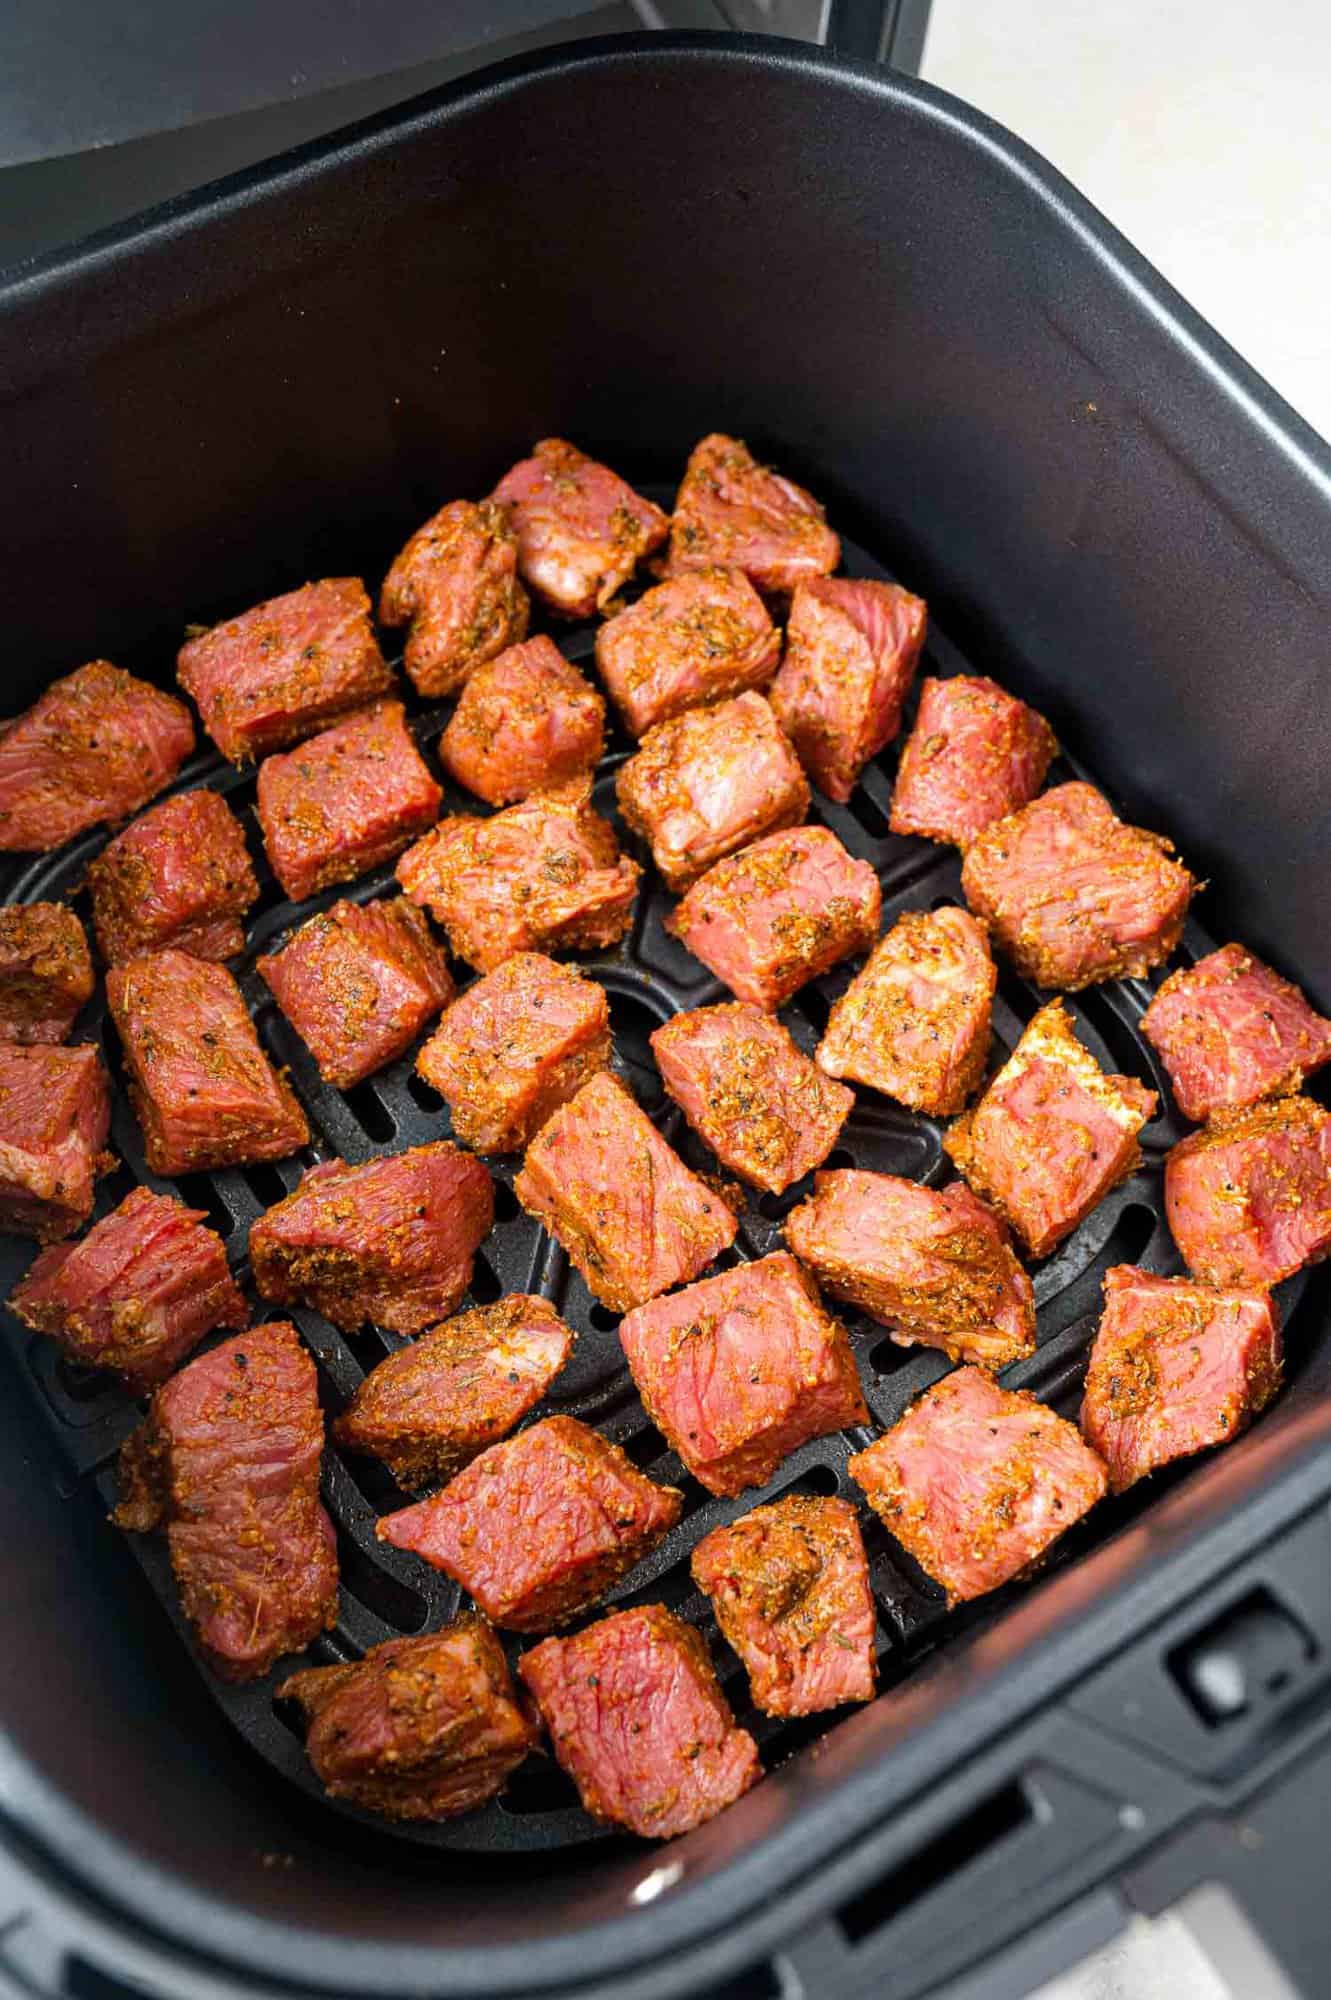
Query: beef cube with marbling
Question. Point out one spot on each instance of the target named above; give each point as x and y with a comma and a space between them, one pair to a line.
851, 653
55, 1113
46, 975
1249, 1202
179, 877
691, 640
1230, 1031
975, 755
581, 530
455, 584
94, 748
730, 509
526, 721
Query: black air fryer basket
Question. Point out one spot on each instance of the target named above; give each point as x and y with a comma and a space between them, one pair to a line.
630, 244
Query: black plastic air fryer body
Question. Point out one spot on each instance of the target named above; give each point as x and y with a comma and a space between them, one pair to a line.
631, 244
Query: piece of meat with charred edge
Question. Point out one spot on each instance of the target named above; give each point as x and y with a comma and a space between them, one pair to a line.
428, 1409
55, 1113
46, 974
1052, 1134
742, 1369
204, 1092
1072, 894
285, 668
390, 1241
581, 530
637, 1720
976, 1482
180, 877
790, 1587
358, 984
517, 1045
1230, 1031
545, 875
770, 919
456, 585
933, 1264
419, 1729
765, 1109
1249, 1202
526, 722
1176, 1366
851, 653
687, 642
538, 1528
228, 1459
622, 1203
709, 782
975, 755
94, 748
914, 1023
729, 509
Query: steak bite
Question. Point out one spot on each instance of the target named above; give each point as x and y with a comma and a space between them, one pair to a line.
1052, 1134
729, 509
933, 1264
623, 1204
581, 530
46, 974
1249, 1202
851, 653
742, 1369
1072, 894
975, 755
976, 1482
527, 721
55, 1113
1229, 1031
690, 640
180, 876
537, 1528
456, 585
228, 1458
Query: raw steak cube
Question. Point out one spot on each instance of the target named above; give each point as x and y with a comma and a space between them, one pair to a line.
623, 1204
1176, 1366
729, 509
1052, 1134
739, 1371
766, 1110
55, 1113
1229, 1031
688, 641
137, 1293
581, 530
179, 876
286, 668
975, 755
390, 1241
1249, 1202
358, 984
46, 974
228, 1458
851, 653
517, 1045
638, 1722
790, 1587
526, 722
709, 782
976, 1481
94, 748
1072, 894
539, 1527
456, 585
790, 907
915, 1022
933, 1264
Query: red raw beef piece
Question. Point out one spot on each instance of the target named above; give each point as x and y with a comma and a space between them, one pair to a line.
623, 1204
346, 801
933, 1264
1249, 1202
975, 755
358, 984
203, 1090
1072, 894
286, 668
772, 918
46, 974
137, 1293
419, 1729
742, 1369
790, 1587
545, 875
390, 1241
1176, 1367
541, 1526
178, 877
766, 1110
526, 722
688, 641
851, 653
93, 749
581, 530
1229, 1031
517, 1045
428, 1409
709, 782
976, 1481
55, 1113
456, 585
228, 1458
915, 1022
1052, 1134
729, 509
637, 1720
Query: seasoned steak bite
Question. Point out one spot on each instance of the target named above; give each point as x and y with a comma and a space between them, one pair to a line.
581, 530
46, 975
1249, 1202
525, 722
975, 755
55, 1113
456, 585
1229, 1031
178, 876
730, 509
851, 653
688, 641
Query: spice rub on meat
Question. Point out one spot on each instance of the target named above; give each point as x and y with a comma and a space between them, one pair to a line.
851, 652
526, 721
581, 530
1249, 1201
692, 640
730, 509
455, 584
179, 876
1230, 1031
55, 1113
975, 755
46, 975
94, 748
